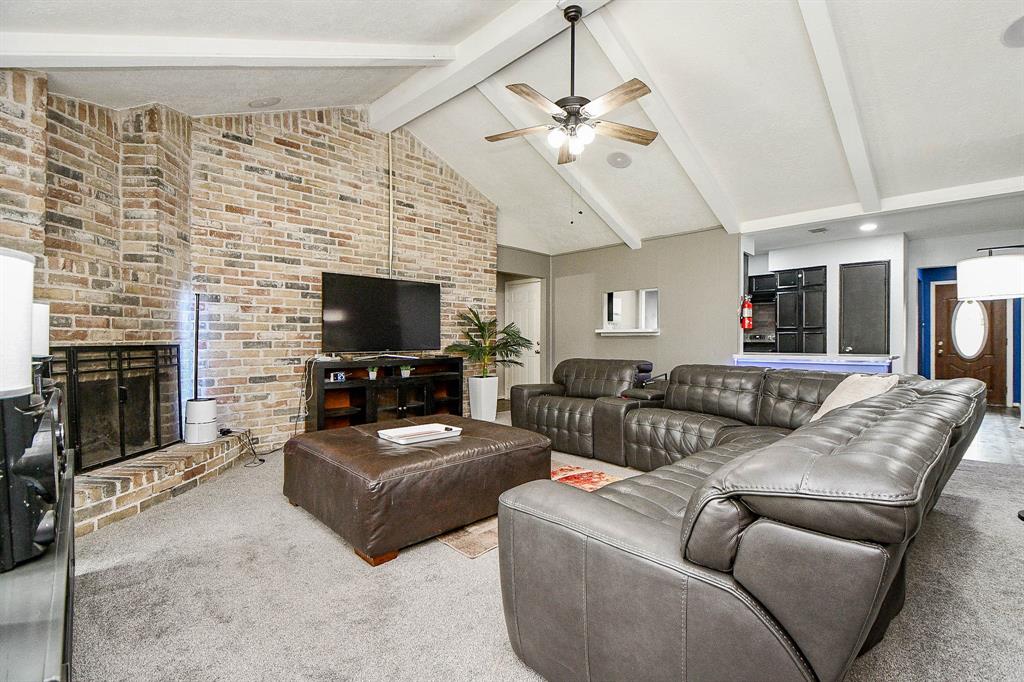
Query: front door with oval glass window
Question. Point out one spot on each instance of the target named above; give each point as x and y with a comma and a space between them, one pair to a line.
970, 341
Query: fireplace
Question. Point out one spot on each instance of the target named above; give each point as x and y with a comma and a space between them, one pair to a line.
123, 400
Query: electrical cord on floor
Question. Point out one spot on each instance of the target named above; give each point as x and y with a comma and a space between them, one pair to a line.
305, 394
258, 458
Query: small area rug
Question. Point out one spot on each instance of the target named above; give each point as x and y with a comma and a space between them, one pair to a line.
481, 537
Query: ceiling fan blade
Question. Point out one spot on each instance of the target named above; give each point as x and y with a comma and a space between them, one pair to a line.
515, 133
613, 99
620, 131
564, 155
531, 95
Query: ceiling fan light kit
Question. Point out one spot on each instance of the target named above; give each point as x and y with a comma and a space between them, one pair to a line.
576, 123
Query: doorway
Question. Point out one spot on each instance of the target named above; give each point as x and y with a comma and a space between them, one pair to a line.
523, 306
970, 340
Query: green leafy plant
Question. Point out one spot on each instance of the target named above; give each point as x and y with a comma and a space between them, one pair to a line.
371, 369
406, 368
487, 345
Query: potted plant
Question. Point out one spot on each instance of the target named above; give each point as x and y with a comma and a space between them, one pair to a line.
406, 371
372, 371
487, 346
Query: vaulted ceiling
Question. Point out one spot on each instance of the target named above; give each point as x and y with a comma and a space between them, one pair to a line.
775, 116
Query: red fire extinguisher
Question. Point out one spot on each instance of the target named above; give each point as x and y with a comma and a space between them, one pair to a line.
746, 313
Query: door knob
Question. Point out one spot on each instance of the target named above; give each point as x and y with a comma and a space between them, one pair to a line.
938, 352
848, 349
938, 343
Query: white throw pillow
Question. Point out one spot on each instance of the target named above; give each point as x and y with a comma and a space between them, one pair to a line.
855, 388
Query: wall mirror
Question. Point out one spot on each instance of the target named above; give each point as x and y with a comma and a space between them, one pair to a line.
629, 312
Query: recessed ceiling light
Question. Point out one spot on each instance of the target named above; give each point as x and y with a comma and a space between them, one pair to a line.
619, 160
1013, 36
264, 102
869, 227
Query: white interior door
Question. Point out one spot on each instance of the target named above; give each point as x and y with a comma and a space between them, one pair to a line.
523, 306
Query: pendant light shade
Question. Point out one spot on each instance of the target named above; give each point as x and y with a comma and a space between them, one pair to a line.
990, 277
16, 281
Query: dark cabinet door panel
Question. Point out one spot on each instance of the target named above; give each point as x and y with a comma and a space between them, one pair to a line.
814, 342
864, 308
814, 277
787, 310
788, 342
813, 308
788, 279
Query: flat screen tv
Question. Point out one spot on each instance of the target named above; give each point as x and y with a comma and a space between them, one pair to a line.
377, 314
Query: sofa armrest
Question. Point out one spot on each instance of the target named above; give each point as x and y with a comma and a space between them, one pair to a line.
609, 423
594, 590
521, 394
644, 394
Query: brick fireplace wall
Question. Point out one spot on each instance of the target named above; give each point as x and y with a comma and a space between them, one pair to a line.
132, 210
279, 198
22, 160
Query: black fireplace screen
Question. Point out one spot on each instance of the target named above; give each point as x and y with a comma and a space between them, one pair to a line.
123, 400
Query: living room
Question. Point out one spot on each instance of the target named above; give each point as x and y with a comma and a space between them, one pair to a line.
511, 339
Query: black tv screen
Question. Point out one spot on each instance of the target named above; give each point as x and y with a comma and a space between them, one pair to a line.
376, 314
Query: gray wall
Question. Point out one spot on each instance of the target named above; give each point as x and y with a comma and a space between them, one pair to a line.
698, 278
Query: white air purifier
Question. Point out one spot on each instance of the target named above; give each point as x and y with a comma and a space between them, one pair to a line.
200, 413
17, 274
200, 420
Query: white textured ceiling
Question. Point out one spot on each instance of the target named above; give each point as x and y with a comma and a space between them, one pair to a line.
940, 103
941, 98
742, 80
438, 22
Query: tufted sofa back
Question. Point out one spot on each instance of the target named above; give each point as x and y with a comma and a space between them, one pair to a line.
790, 397
720, 390
595, 378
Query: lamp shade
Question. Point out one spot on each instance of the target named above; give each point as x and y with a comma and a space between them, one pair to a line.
17, 271
40, 329
990, 277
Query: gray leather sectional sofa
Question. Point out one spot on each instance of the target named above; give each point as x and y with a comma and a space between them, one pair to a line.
757, 547
564, 409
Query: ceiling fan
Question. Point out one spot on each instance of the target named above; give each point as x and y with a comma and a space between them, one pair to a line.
575, 117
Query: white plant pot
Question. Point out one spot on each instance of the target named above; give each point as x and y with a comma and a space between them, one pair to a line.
373, 376
406, 373
483, 398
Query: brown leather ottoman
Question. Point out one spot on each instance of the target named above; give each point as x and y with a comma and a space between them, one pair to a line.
381, 496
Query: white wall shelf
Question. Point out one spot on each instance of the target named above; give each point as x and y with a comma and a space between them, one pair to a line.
628, 332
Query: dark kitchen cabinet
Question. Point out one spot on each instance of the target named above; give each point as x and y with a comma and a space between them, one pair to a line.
800, 309
864, 308
760, 284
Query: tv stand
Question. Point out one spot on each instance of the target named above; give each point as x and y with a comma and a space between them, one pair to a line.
435, 386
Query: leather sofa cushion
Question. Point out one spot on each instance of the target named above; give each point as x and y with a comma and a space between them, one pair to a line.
718, 390
664, 493
863, 473
790, 397
567, 421
759, 435
593, 378
656, 437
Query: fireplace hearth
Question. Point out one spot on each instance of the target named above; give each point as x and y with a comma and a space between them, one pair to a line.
123, 401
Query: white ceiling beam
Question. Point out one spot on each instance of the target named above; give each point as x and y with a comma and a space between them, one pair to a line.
903, 202
65, 50
822, 33
499, 97
508, 37
624, 59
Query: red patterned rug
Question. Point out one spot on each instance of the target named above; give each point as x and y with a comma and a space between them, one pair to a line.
481, 537
584, 479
